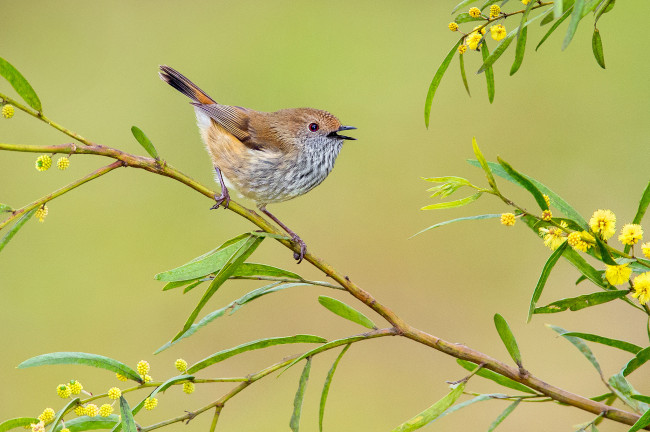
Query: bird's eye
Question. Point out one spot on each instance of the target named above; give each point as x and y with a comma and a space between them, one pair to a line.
313, 127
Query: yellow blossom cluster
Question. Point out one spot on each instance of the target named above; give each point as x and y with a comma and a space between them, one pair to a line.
7, 111
508, 219
150, 403
641, 285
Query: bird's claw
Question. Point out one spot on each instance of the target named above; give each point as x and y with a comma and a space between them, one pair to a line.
303, 249
222, 199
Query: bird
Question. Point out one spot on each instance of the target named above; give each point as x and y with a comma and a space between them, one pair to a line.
268, 157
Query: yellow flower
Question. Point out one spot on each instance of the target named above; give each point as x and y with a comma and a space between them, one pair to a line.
121, 377
63, 391
495, 11
105, 410
43, 163
146, 378
575, 240
63, 163
75, 387
498, 32
473, 40
475, 12
8, 111
114, 393
188, 387
38, 427
645, 248
150, 403
80, 410
547, 215
47, 415
546, 198
181, 365
553, 237
508, 219
41, 213
525, 1
641, 285
603, 222
143, 367
479, 27
618, 274
462, 49
91, 410
631, 234
453, 26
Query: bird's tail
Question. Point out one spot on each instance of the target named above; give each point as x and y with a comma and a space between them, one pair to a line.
184, 85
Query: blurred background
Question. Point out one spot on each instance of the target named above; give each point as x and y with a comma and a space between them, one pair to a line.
83, 280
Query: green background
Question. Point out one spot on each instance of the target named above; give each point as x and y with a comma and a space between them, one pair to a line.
83, 280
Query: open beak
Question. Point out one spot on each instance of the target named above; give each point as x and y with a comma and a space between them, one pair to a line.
342, 128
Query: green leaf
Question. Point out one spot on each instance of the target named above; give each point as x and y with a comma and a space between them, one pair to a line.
85, 423
605, 7
144, 141
489, 73
326, 387
581, 302
585, 268
14, 229
16, 423
541, 282
325, 347
253, 269
488, 3
235, 260
93, 360
249, 346
451, 204
622, 345
59, 415
20, 84
557, 9
641, 422
6, 208
556, 200
465, 17
576, 16
604, 252
597, 47
508, 339
461, 59
497, 378
525, 183
294, 424
484, 164
205, 264
554, 27
479, 398
128, 423
500, 49
640, 358
522, 35
485, 216
640, 212
170, 382
505, 412
436, 82
462, 5
602, 397
431, 413
582, 347
627, 393
232, 307
641, 398
345, 311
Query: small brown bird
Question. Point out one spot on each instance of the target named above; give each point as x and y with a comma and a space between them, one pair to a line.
267, 157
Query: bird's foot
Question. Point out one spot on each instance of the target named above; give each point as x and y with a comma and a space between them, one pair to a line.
303, 248
222, 199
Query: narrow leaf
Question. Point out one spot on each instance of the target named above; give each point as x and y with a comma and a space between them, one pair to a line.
451, 204
128, 423
461, 5
522, 35
484, 164
554, 27
431, 413
59, 415
541, 282
508, 339
627, 393
93, 360
461, 60
500, 49
85, 423
582, 347
253, 269
479, 398
249, 346
14, 229
605, 7
436, 82
581, 302
17, 422
503, 415
294, 424
597, 47
478, 217
6, 208
489, 73
497, 378
20, 84
622, 345
144, 141
345, 311
641, 422
557, 9
640, 212
640, 358
585, 268
576, 15
642, 398
465, 17
326, 387
170, 382
525, 183
325, 347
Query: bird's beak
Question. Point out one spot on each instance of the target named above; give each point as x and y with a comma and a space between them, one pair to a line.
342, 128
